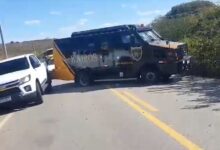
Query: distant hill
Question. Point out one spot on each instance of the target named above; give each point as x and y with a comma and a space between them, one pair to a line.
191, 8
181, 19
18, 48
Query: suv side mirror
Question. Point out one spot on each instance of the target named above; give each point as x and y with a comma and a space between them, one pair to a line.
36, 65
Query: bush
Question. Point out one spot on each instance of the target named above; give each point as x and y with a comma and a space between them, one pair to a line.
200, 31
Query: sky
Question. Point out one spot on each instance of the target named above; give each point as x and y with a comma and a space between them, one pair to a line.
23, 20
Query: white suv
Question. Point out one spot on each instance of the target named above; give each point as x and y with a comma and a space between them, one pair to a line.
23, 78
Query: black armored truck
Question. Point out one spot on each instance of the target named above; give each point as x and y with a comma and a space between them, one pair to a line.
126, 51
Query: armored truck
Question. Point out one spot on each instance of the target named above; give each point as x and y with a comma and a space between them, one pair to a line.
125, 51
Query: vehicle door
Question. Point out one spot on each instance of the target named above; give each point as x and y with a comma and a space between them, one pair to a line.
40, 69
106, 53
122, 54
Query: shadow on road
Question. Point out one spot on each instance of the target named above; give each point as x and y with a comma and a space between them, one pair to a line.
207, 89
17, 107
99, 85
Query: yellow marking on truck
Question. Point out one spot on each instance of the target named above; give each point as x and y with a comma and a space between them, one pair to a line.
62, 70
163, 126
140, 102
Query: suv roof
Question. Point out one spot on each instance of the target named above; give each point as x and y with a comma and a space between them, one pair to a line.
16, 57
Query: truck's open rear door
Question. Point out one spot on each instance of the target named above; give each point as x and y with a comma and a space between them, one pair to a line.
62, 69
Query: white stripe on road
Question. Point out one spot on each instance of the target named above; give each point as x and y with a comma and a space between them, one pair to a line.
5, 120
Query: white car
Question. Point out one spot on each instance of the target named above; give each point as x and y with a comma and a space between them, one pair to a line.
23, 78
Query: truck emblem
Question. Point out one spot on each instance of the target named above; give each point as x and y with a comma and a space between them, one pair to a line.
136, 53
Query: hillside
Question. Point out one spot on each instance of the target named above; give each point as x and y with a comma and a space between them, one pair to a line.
198, 24
186, 9
181, 19
36, 46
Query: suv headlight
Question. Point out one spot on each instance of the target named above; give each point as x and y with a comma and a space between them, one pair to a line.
25, 79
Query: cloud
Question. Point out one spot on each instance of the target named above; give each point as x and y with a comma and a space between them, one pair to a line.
216, 1
87, 13
82, 21
109, 24
67, 30
123, 5
55, 13
32, 22
43, 34
144, 21
148, 13
130, 6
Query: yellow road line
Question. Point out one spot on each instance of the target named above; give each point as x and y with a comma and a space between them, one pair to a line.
163, 126
5, 120
139, 101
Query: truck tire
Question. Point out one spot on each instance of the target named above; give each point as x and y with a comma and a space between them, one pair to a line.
39, 97
83, 79
149, 76
49, 86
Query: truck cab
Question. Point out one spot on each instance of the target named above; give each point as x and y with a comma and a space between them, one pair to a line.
127, 51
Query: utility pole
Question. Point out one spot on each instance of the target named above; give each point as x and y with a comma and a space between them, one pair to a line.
3, 43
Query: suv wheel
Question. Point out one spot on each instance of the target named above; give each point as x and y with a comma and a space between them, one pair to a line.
149, 76
38, 98
49, 86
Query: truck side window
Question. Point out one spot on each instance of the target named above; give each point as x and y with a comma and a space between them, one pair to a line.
91, 48
91, 44
104, 45
116, 41
126, 39
129, 39
135, 41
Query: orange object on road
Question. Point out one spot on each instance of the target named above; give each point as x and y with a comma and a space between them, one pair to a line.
62, 70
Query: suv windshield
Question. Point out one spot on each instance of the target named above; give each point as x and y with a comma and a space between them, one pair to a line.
149, 36
13, 65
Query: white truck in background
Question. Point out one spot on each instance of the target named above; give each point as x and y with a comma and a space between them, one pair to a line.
23, 78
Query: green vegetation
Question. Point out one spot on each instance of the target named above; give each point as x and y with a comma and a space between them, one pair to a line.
198, 24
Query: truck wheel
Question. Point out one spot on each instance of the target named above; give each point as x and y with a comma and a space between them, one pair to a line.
49, 86
149, 76
84, 79
38, 98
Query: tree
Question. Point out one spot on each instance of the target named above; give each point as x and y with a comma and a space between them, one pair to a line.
198, 24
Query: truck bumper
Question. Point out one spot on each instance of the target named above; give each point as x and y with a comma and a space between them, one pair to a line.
175, 68
15, 98
168, 69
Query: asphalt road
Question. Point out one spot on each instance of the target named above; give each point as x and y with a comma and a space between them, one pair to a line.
181, 114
